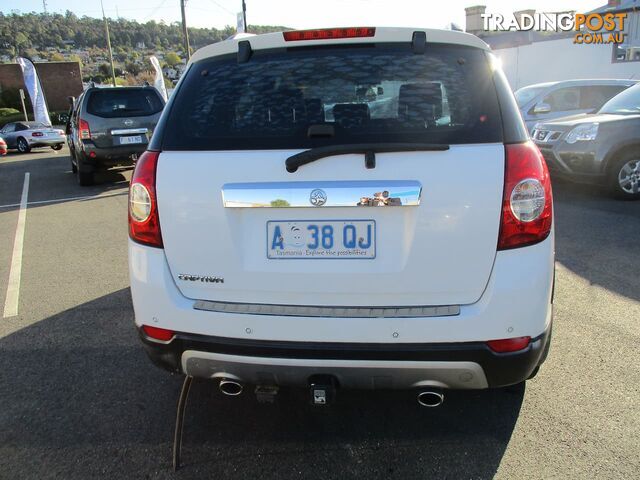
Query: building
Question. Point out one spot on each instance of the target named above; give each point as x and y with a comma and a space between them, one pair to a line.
533, 57
59, 80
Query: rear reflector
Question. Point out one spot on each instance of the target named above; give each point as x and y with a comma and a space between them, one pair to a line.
329, 33
507, 345
156, 333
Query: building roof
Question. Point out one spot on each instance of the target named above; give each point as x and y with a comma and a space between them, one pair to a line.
625, 6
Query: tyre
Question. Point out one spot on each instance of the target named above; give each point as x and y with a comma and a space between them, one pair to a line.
23, 146
85, 179
74, 169
57, 147
624, 176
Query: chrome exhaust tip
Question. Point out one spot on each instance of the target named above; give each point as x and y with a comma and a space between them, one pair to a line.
431, 398
230, 387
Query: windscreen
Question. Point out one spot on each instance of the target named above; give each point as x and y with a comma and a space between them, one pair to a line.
526, 94
625, 103
111, 103
316, 96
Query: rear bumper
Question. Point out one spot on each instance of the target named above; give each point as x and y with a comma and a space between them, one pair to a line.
468, 365
112, 156
48, 142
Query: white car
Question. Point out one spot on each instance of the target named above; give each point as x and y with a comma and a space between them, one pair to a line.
272, 244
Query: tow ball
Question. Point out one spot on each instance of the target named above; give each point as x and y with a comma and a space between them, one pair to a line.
322, 389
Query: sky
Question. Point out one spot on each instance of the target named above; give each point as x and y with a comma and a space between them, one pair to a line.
299, 13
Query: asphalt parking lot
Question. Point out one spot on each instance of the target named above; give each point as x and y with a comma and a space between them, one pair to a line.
79, 399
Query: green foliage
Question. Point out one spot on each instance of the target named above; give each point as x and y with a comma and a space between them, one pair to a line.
18, 117
172, 59
8, 111
19, 32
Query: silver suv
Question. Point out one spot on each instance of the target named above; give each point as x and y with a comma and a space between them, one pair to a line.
547, 101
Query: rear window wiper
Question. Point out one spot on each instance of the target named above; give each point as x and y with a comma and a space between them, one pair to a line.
369, 151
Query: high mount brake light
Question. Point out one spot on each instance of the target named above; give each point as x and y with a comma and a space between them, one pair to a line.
527, 203
329, 33
144, 222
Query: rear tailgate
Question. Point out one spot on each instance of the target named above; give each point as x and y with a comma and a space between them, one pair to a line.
238, 227
122, 117
437, 253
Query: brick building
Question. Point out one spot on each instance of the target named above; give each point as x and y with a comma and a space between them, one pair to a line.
59, 80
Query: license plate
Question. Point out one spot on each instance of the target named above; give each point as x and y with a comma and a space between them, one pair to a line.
130, 140
323, 240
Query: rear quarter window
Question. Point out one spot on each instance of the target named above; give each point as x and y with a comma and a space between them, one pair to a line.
113, 103
367, 93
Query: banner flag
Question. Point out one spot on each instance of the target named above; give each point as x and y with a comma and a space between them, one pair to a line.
159, 81
34, 88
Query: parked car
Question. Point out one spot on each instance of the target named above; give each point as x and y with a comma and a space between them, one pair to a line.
23, 136
547, 101
3, 147
110, 127
356, 250
602, 148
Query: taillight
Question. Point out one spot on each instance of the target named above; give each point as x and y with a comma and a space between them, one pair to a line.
83, 127
527, 203
329, 33
144, 223
507, 345
157, 333
37, 134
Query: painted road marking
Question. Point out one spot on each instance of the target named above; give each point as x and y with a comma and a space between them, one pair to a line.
68, 199
13, 289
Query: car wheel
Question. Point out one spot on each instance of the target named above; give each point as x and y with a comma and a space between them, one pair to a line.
624, 176
23, 146
74, 168
85, 179
57, 147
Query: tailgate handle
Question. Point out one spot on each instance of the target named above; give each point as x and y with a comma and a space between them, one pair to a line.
373, 193
129, 131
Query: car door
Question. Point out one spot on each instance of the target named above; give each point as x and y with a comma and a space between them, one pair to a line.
593, 97
560, 102
8, 133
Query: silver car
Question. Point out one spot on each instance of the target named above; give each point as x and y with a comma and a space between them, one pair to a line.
547, 101
23, 136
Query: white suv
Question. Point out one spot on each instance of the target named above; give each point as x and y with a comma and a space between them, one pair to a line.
344, 208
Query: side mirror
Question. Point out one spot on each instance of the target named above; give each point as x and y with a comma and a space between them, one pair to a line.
380, 91
542, 108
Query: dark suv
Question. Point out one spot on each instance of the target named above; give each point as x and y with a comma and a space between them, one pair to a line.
110, 127
601, 148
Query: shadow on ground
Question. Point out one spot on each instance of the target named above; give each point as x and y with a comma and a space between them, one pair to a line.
52, 181
80, 400
598, 237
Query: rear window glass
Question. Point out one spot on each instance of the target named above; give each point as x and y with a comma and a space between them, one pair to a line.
112, 103
373, 93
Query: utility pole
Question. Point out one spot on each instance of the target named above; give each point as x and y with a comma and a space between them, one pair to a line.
44, 5
106, 27
244, 16
185, 32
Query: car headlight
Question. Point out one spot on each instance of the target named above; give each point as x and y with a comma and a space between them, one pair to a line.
583, 133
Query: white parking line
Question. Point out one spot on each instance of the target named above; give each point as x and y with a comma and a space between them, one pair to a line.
68, 199
13, 289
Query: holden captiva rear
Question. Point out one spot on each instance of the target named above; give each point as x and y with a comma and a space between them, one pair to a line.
344, 208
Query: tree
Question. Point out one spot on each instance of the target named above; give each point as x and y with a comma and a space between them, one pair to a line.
57, 57
172, 59
133, 68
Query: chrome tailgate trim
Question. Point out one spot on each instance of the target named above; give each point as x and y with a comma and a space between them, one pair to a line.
370, 193
334, 312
